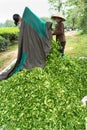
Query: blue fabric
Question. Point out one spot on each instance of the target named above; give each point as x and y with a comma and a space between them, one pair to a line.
23, 59
35, 22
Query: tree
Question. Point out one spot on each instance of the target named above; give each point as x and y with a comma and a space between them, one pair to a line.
57, 5
1, 24
73, 18
83, 21
9, 23
75, 12
78, 13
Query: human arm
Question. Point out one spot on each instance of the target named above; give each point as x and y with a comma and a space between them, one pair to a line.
59, 30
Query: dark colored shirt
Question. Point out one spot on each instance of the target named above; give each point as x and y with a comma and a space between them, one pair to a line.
59, 32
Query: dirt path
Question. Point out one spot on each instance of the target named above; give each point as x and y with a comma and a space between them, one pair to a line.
6, 54
10, 56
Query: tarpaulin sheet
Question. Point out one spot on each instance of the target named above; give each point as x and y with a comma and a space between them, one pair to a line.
33, 45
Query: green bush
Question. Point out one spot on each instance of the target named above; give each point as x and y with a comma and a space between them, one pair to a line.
3, 43
46, 99
10, 36
9, 33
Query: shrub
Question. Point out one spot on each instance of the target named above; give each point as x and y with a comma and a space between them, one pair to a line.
3, 43
9, 33
10, 36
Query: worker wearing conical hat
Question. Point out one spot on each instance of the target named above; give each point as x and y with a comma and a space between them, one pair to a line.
59, 31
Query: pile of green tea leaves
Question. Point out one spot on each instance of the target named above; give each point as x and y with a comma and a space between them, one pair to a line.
46, 99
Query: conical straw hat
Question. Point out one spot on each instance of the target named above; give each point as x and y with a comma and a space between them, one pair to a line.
58, 15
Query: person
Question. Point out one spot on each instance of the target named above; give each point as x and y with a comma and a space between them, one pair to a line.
17, 19
59, 31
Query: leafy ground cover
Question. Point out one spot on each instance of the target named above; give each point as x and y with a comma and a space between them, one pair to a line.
46, 99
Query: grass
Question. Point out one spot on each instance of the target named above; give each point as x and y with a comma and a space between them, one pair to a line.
76, 45
13, 47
